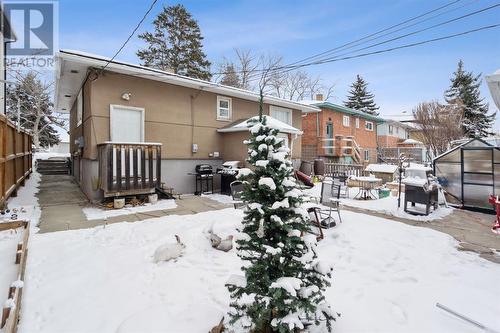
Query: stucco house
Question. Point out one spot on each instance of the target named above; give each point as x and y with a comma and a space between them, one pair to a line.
132, 127
339, 134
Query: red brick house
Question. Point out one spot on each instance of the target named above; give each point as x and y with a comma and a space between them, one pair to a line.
339, 134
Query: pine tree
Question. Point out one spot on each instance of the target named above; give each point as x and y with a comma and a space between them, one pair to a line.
176, 44
284, 281
464, 89
360, 99
230, 77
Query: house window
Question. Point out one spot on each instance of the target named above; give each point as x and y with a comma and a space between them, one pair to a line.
368, 125
345, 121
284, 136
282, 114
79, 109
391, 129
357, 122
223, 108
367, 155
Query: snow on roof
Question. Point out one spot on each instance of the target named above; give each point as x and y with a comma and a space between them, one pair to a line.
69, 83
341, 108
412, 142
416, 166
241, 125
382, 168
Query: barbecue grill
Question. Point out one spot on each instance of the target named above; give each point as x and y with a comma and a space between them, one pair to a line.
204, 179
228, 173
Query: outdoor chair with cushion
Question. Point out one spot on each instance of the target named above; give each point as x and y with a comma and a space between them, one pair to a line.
330, 197
236, 192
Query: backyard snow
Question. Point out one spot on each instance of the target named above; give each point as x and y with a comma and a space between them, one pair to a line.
221, 198
95, 213
387, 206
387, 277
26, 198
8, 249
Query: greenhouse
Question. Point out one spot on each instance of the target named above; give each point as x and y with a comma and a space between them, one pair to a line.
469, 173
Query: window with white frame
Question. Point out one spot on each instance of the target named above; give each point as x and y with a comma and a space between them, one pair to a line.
79, 109
224, 108
368, 125
367, 155
282, 114
391, 129
357, 122
345, 121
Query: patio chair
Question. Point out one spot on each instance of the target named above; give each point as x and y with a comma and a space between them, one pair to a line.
236, 193
344, 189
330, 197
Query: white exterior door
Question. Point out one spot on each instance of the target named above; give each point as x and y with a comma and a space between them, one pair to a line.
126, 124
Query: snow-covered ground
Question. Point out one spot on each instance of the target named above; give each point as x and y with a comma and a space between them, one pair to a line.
8, 249
26, 198
387, 277
387, 206
96, 213
221, 198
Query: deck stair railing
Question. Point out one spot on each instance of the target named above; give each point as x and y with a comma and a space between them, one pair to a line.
129, 168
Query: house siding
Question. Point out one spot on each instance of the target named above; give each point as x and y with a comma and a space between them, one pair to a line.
175, 116
312, 122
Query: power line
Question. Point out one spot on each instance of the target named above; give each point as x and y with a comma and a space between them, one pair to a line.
324, 60
131, 35
419, 31
354, 43
376, 33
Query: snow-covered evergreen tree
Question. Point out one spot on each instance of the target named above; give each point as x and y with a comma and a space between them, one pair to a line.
464, 89
176, 44
360, 99
282, 290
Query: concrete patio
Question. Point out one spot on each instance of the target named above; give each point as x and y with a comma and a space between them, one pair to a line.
62, 201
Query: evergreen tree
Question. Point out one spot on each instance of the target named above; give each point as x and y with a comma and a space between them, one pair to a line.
464, 89
282, 290
29, 103
176, 44
230, 77
360, 99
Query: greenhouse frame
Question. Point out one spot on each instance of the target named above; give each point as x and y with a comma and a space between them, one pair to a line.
469, 173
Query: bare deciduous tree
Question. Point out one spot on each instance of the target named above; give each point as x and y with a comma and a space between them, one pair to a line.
439, 124
279, 81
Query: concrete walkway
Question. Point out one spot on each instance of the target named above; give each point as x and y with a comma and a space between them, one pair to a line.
61, 202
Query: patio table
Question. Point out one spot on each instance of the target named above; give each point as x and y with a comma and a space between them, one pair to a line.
366, 186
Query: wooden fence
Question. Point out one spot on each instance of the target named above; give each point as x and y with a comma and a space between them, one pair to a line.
15, 158
332, 169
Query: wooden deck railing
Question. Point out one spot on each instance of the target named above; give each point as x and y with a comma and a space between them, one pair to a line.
15, 158
334, 169
129, 168
340, 146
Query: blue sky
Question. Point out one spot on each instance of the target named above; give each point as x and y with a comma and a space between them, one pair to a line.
297, 29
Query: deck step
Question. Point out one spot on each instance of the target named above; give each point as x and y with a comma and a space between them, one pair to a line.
52, 167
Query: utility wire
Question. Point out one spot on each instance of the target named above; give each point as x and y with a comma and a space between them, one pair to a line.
324, 60
376, 33
131, 35
354, 44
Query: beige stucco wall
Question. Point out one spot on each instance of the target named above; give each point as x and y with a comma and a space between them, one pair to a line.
174, 116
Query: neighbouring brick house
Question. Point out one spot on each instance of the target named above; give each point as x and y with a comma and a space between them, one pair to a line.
391, 133
339, 134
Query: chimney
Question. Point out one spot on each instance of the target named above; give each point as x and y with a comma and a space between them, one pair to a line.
319, 97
